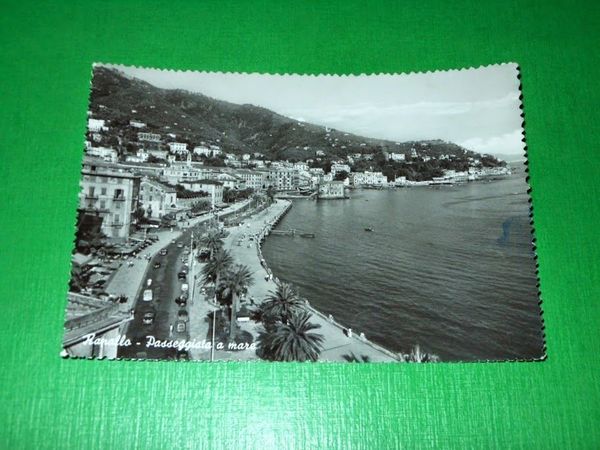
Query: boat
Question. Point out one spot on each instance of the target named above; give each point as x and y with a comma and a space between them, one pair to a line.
368, 229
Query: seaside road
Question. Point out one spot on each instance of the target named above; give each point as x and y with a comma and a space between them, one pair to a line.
165, 288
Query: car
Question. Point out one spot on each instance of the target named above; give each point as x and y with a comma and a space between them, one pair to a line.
149, 282
183, 355
148, 318
184, 287
147, 296
182, 275
157, 265
173, 241
181, 300
182, 314
164, 251
180, 326
180, 244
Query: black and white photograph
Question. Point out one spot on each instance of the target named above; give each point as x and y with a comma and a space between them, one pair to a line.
325, 218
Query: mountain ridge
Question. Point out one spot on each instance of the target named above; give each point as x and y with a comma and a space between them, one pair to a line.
198, 119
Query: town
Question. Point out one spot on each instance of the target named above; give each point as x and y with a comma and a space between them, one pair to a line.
149, 203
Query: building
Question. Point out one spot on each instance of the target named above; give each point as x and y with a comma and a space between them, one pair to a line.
231, 181
96, 125
331, 190
156, 198
183, 172
111, 193
340, 167
136, 124
201, 150
148, 137
395, 156
105, 153
212, 187
368, 179
179, 148
159, 154
283, 179
253, 179
92, 324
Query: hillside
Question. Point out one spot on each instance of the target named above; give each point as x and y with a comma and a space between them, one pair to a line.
196, 118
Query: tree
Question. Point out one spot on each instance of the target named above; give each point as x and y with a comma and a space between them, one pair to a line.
237, 280
282, 304
292, 341
216, 267
341, 175
200, 205
139, 215
270, 193
212, 241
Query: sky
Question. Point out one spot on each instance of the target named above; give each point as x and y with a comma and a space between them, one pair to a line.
476, 108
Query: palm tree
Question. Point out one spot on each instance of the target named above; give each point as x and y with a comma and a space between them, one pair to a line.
212, 241
217, 266
292, 341
282, 303
237, 280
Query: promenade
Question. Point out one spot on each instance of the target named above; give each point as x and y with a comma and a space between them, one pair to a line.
337, 344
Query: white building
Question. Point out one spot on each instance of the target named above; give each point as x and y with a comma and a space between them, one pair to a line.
136, 124
111, 193
396, 157
148, 137
333, 189
105, 153
182, 172
368, 179
283, 179
231, 181
212, 187
179, 148
157, 199
340, 167
253, 179
96, 125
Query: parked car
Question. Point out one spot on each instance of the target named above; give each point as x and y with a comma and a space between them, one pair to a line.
180, 244
184, 287
182, 314
147, 296
181, 300
148, 318
182, 275
157, 265
164, 251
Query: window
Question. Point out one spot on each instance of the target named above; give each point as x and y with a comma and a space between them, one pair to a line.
118, 205
103, 191
102, 204
116, 219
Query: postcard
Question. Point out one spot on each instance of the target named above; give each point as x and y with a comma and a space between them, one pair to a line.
257, 217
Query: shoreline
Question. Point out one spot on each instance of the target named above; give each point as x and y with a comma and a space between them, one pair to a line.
339, 341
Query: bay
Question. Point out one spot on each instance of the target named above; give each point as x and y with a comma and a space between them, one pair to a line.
448, 268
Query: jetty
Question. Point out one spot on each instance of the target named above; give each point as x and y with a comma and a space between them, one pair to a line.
292, 232
340, 341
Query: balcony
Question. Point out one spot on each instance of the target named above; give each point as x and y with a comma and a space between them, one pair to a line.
90, 196
119, 199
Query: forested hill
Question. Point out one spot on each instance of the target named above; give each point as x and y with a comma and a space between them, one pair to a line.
195, 118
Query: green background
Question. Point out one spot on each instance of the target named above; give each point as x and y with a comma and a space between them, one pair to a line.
47, 49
